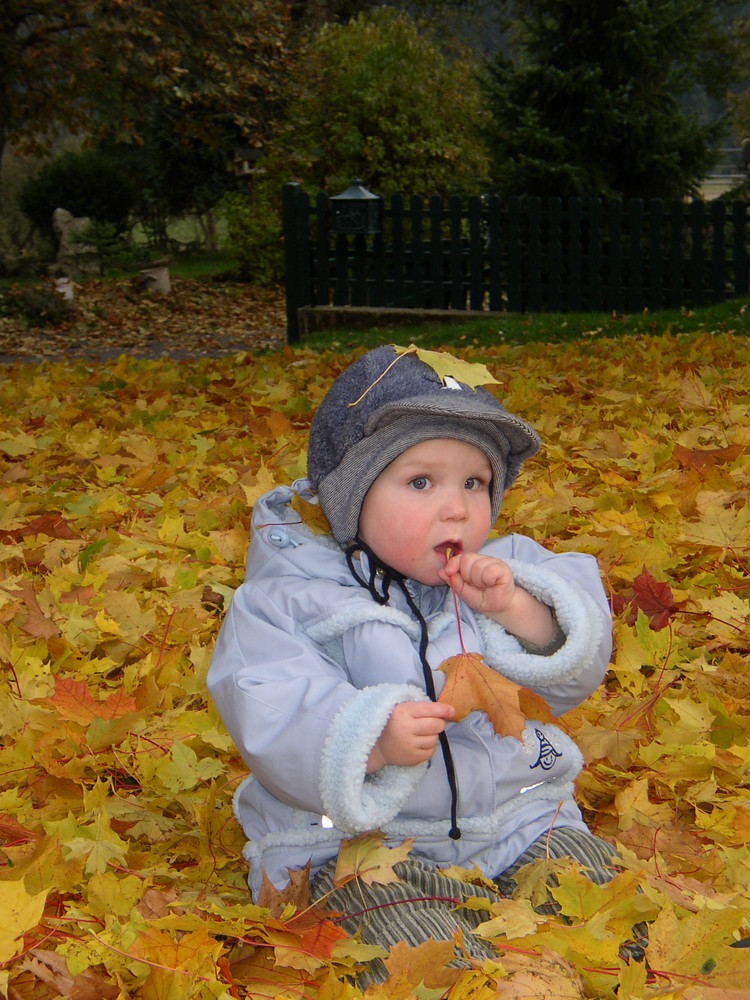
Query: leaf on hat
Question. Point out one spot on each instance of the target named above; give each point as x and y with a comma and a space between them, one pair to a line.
445, 366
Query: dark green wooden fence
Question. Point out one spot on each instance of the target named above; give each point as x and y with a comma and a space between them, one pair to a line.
487, 254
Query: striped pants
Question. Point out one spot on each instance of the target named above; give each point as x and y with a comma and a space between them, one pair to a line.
423, 903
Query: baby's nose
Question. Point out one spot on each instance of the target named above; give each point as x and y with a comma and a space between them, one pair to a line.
455, 506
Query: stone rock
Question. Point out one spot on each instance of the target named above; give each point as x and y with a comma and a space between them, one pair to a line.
74, 259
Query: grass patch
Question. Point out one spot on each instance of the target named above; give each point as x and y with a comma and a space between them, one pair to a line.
520, 328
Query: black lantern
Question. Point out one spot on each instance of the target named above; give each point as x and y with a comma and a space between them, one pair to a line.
356, 210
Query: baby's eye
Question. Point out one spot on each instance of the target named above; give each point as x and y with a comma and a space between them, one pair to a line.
474, 483
420, 482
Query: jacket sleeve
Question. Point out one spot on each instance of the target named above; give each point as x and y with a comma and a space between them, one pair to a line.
570, 584
300, 725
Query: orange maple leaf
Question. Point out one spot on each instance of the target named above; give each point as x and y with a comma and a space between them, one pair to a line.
74, 702
470, 685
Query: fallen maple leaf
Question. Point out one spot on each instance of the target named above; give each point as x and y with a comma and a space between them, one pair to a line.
296, 893
368, 858
655, 599
423, 964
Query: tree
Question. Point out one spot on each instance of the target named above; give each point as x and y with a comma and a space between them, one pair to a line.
739, 100
95, 65
589, 100
379, 100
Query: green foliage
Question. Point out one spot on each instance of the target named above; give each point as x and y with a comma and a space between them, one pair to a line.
739, 99
37, 306
588, 101
378, 100
85, 184
101, 240
254, 235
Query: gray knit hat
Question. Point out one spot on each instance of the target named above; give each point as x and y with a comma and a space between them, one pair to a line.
372, 413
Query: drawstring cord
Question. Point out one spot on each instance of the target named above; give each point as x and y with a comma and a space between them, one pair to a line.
382, 575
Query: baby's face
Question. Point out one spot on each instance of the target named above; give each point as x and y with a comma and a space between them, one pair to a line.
435, 496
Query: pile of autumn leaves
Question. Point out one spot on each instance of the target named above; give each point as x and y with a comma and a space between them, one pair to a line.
125, 499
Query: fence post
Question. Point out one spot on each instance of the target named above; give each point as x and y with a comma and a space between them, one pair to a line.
296, 256
739, 218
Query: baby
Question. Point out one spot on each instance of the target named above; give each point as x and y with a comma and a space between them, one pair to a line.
326, 674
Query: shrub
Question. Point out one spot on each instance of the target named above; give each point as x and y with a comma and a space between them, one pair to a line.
379, 100
37, 306
254, 234
86, 184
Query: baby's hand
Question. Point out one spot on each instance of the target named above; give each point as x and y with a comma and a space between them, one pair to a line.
486, 584
410, 735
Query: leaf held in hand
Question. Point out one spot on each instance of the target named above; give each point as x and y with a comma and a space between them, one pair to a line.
470, 685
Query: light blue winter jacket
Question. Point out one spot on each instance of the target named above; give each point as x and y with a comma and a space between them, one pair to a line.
308, 667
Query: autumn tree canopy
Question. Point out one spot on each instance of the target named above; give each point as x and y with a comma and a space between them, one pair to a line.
98, 66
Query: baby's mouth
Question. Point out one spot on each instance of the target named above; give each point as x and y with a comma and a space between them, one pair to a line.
448, 549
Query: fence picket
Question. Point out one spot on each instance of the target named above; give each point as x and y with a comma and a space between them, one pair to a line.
476, 291
398, 251
718, 262
575, 292
495, 252
635, 244
417, 253
554, 242
457, 292
436, 252
656, 257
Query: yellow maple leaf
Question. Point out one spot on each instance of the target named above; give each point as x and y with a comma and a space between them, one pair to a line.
368, 859
446, 365
21, 911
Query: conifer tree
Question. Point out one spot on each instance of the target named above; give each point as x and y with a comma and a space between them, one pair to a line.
589, 98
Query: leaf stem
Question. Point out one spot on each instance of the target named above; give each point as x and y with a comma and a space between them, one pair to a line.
448, 554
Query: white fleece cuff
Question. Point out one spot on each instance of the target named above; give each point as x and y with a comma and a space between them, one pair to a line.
578, 615
354, 800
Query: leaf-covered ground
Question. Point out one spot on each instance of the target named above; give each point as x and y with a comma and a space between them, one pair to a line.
126, 493
109, 318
